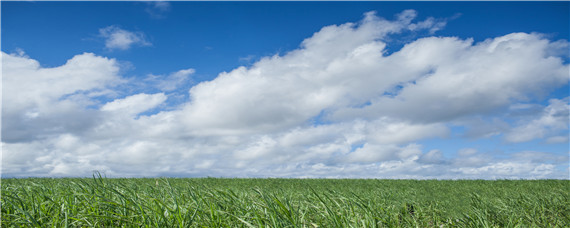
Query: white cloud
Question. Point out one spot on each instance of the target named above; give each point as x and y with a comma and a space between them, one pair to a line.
33, 83
387, 131
470, 157
456, 78
552, 122
432, 157
338, 106
172, 81
526, 164
371, 153
134, 104
117, 38
37, 101
430, 23
158, 9
502, 169
279, 92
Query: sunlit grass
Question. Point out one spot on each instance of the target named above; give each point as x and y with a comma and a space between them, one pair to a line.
214, 202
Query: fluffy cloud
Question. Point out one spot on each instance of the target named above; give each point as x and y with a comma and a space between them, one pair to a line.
117, 38
552, 123
279, 92
338, 106
40, 101
460, 78
429, 80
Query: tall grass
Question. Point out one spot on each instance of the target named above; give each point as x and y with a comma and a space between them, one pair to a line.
213, 202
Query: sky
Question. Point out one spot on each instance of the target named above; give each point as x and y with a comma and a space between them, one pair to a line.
389, 90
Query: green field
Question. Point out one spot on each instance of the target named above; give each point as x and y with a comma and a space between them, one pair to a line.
215, 202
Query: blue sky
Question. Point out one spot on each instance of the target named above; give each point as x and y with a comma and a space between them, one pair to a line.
286, 89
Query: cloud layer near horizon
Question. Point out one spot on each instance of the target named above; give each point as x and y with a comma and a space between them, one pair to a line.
340, 105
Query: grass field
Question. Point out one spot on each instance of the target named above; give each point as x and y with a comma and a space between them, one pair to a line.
214, 202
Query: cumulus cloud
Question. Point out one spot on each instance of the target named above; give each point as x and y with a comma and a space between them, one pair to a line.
37, 101
457, 78
117, 38
552, 123
338, 106
282, 91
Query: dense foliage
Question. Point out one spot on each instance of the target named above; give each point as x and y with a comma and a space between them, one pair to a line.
213, 202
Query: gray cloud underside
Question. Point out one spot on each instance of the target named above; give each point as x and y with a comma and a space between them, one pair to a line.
338, 106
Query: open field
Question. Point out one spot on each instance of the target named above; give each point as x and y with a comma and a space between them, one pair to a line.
213, 202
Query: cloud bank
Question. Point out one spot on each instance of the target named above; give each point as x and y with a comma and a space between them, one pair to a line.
338, 106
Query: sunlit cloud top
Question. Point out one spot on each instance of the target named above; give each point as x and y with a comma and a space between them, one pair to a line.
387, 95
